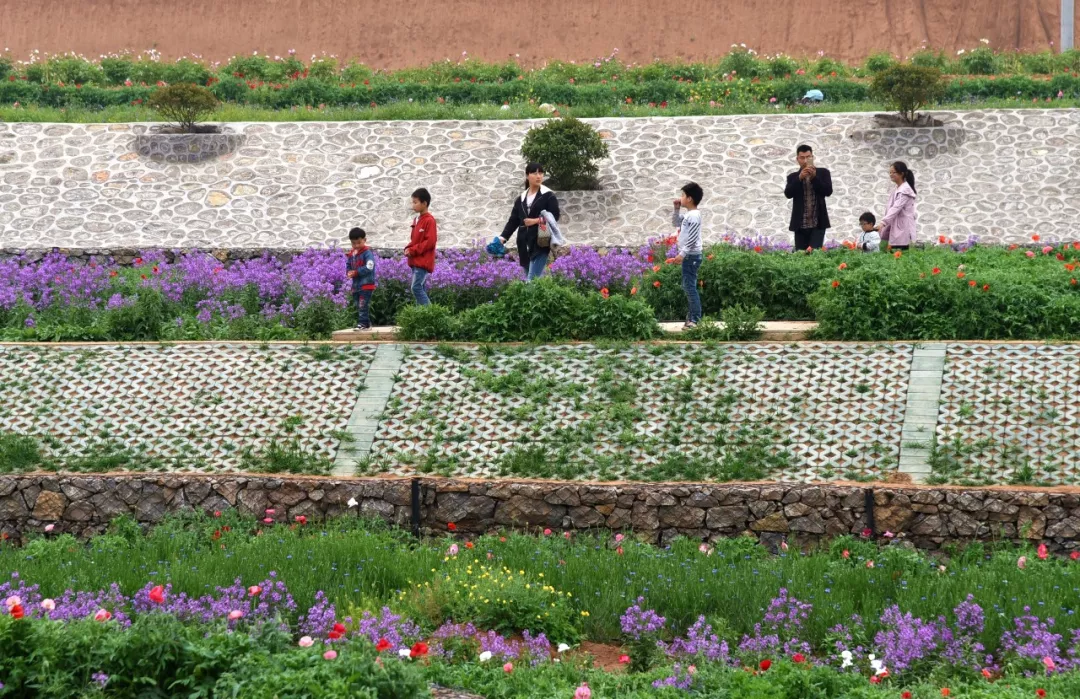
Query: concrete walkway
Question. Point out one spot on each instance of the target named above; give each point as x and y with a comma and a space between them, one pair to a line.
772, 331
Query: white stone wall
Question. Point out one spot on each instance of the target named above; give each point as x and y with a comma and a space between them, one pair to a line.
999, 175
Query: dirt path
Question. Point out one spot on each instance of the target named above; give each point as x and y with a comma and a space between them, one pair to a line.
382, 36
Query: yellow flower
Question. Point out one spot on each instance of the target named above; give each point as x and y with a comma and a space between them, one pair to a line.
584, 613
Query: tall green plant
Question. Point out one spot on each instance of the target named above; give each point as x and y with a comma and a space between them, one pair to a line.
568, 149
908, 88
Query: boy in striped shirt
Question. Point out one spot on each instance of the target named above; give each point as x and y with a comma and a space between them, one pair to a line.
687, 219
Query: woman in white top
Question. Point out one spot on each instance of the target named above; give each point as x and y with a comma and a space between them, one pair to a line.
525, 219
898, 226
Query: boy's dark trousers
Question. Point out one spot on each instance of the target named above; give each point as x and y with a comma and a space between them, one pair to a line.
363, 307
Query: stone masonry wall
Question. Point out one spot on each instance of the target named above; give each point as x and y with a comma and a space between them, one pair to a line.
997, 175
929, 517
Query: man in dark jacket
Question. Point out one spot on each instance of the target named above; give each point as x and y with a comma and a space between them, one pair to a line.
807, 188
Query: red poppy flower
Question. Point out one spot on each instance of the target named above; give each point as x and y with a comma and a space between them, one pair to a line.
835, 283
1060, 257
905, 695
935, 271
419, 649
1075, 555
897, 254
451, 526
112, 273
986, 287
633, 291
866, 533
1040, 692
765, 664
843, 266
604, 292
624, 659
986, 673
656, 268
138, 260
382, 645
875, 680
945, 691
941, 239
468, 544
1035, 237
619, 550
757, 248
301, 520
972, 282
799, 658
959, 275
1070, 267
16, 611
157, 594
1072, 281
656, 284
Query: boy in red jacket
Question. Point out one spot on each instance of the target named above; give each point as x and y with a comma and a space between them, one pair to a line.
420, 251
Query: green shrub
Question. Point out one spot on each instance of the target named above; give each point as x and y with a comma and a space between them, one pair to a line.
782, 67
739, 324
980, 61
880, 62
426, 323
18, 452
183, 103
568, 149
743, 62
927, 58
908, 88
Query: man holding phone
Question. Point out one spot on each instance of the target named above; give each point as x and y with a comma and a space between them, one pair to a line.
807, 187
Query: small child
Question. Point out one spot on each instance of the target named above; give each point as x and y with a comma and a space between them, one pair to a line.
360, 267
689, 225
420, 251
869, 239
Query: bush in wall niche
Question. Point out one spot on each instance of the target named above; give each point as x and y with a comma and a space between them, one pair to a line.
908, 88
184, 104
568, 149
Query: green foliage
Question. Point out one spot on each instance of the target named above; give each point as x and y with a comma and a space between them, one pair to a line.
568, 149
159, 656
908, 88
542, 311
184, 103
505, 600
739, 324
980, 61
18, 452
880, 62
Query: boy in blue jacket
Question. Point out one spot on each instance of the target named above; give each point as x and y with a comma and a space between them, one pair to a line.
360, 267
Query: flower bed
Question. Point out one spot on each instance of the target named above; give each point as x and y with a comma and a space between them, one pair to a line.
503, 615
740, 78
942, 292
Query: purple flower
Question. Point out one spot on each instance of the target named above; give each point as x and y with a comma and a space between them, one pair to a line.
100, 678
637, 622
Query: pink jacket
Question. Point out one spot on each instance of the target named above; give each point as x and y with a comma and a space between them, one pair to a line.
898, 226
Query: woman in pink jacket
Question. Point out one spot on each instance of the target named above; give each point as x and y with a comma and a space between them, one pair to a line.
898, 225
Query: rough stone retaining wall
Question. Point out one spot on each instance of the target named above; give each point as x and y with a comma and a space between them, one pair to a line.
999, 175
929, 517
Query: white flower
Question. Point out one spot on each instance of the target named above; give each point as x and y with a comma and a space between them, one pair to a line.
404, 653
879, 666
984, 41
352, 502
485, 656
960, 52
846, 656
563, 647
306, 642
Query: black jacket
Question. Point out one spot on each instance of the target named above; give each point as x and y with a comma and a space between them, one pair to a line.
526, 236
822, 183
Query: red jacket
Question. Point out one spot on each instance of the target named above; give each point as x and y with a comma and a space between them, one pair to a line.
421, 247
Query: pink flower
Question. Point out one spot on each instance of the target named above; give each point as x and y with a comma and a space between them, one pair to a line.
508, 668
619, 538
783, 546
306, 642
547, 532
453, 550
270, 511
583, 692
566, 535
49, 528
330, 654
772, 100
869, 564
1049, 663
48, 605
1048, 249
889, 535
704, 548
254, 591
13, 601
268, 520
102, 615
235, 614
1042, 552
1030, 254
846, 554
624, 659
692, 669
1021, 562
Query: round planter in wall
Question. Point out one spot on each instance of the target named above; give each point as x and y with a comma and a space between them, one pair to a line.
168, 145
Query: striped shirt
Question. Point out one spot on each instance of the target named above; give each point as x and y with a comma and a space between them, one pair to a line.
689, 225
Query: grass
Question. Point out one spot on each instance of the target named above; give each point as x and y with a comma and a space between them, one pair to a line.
364, 565
423, 111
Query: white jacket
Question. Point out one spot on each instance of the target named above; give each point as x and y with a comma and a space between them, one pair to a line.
557, 238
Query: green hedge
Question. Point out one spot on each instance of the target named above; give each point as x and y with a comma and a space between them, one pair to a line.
159, 656
314, 92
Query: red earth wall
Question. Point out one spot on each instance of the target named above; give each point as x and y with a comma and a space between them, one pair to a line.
414, 32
